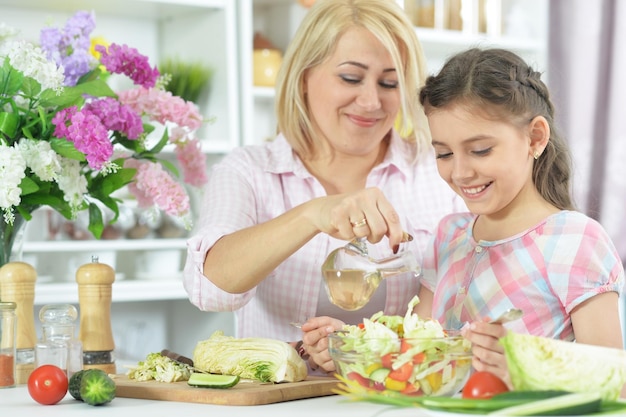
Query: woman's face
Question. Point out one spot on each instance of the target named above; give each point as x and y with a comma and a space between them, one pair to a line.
354, 96
487, 162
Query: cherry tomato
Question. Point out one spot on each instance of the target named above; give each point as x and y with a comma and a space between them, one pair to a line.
47, 384
483, 384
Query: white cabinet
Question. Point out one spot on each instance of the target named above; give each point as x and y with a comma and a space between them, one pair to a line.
203, 30
195, 30
523, 29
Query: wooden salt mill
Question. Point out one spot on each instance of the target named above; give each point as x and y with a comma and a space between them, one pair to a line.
94, 297
17, 284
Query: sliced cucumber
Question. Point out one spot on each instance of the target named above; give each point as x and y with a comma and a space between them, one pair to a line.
563, 405
212, 380
379, 374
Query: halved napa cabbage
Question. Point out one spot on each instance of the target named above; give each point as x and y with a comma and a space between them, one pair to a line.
266, 360
540, 363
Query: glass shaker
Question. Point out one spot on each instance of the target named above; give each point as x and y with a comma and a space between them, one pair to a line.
8, 330
58, 346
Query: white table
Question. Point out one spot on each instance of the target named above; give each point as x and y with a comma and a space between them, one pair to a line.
17, 402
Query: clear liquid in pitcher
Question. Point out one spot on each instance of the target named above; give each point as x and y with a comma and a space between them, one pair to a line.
351, 289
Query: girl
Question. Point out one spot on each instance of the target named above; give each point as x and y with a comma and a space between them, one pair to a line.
523, 245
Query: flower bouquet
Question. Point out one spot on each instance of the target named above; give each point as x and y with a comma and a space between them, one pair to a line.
68, 141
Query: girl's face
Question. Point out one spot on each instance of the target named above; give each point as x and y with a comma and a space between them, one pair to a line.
353, 96
487, 162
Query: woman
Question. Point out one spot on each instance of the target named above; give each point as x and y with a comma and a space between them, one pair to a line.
338, 170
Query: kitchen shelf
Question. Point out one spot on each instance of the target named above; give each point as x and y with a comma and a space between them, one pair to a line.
103, 245
122, 291
145, 9
278, 20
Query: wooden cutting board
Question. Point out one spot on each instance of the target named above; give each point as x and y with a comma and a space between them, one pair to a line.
246, 392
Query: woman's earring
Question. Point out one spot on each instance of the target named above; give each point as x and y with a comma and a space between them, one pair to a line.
536, 155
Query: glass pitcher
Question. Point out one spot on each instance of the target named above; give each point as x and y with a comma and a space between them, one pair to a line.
352, 273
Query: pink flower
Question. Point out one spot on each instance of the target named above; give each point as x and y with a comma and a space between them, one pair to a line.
87, 132
162, 106
192, 161
155, 186
122, 59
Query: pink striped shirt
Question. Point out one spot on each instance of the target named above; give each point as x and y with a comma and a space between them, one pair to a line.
546, 271
254, 184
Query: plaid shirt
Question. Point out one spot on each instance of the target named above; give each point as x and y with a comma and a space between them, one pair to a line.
546, 271
254, 184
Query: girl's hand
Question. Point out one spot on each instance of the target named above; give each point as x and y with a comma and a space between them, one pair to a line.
315, 341
488, 354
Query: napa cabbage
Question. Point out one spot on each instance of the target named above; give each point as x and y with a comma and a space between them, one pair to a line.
540, 363
262, 359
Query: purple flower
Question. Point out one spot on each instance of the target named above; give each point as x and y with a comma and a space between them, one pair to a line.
117, 116
122, 59
69, 47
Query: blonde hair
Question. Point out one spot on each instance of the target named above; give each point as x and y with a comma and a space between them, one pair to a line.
316, 39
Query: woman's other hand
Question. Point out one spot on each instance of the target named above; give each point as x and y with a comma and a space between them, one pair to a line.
488, 354
315, 341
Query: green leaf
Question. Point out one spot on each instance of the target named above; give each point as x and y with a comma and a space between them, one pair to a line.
28, 186
96, 225
8, 124
74, 95
67, 149
161, 144
106, 185
10, 79
169, 166
31, 87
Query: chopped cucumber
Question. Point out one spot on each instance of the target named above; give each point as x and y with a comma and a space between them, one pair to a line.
562, 405
198, 379
379, 374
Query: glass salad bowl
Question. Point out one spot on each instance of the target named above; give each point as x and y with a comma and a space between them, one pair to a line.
429, 366
400, 355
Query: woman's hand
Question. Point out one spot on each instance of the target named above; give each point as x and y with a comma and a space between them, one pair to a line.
315, 341
488, 354
364, 213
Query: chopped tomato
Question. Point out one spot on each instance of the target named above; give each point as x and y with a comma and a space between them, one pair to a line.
412, 389
403, 373
419, 358
387, 360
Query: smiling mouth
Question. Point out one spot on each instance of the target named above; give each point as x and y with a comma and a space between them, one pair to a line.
363, 121
472, 191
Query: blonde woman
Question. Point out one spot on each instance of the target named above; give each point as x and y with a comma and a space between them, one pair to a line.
337, 169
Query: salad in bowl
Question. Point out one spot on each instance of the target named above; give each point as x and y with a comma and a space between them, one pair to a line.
396, 355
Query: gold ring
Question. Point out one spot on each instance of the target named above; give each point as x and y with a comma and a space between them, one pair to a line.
360, 223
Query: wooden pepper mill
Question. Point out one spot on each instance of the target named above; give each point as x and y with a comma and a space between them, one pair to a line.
94, 297
17, 284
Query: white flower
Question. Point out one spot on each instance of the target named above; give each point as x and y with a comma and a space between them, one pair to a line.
12, 167
32, 62
40, 158
72, 182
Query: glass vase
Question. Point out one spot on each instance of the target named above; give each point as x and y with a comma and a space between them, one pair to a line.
12, 238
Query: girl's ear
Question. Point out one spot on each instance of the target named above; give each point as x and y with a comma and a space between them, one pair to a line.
539, 130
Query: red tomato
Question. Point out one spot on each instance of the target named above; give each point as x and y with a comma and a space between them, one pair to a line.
355, 376
387, 360
47, 384
403, 373
483, 384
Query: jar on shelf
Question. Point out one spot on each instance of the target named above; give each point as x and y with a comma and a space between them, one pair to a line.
421, 12
8, 329
58, 345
